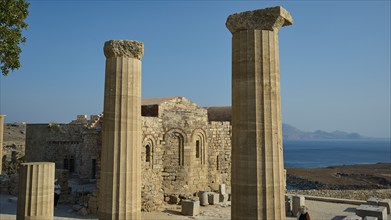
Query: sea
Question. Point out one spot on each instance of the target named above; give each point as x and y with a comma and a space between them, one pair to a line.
324, 153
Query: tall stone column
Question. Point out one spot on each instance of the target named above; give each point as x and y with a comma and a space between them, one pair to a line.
120, 182
1, 140
36, 191
257, 156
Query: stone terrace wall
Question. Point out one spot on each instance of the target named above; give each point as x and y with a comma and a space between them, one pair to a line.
219, 154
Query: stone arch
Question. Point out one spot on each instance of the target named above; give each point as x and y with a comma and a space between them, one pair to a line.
180, 139
198, 138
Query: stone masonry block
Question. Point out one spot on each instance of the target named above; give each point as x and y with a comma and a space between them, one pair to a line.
288, 205
373, 201
376, 211
370, 218
352, 217
297, 201
174, 199
386, 203
213, 198
222, 189
190, 207
223, 198
203, 198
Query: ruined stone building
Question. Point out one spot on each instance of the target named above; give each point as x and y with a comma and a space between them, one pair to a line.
185, 147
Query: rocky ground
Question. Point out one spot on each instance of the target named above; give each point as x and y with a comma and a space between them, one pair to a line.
317, 210
14, 140
346, 194
348, 177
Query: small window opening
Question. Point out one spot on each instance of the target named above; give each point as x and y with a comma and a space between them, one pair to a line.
147, 153
197, 149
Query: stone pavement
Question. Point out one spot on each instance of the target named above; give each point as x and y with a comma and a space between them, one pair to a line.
318, 210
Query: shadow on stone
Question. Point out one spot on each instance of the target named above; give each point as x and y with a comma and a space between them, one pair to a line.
172, 212
353, 210
338, 217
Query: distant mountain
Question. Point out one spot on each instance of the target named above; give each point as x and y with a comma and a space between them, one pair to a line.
291, 133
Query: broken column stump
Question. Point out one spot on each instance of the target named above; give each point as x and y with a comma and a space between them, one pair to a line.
36, 191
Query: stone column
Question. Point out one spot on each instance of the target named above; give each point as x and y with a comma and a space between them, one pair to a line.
1, 140
120, 177
36, 191
257, 156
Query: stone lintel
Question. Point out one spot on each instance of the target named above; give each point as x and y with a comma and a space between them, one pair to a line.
124, 48
262, 19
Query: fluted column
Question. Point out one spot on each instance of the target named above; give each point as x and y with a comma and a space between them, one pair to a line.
257, 156
120, 182
1, 140
36, 191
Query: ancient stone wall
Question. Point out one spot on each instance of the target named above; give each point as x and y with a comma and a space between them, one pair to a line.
90, 149
151, 163
219, 154
59, 143
182, 152
185, 145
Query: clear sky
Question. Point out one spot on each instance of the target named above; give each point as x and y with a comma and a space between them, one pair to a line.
335, 59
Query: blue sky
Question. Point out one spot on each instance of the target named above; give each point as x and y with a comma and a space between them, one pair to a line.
335, 59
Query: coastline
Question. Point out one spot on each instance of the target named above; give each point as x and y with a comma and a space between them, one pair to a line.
365, 177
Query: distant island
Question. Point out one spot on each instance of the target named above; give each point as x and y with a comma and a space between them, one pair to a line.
291, 133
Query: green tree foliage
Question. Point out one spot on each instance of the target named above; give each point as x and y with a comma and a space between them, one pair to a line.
12, 16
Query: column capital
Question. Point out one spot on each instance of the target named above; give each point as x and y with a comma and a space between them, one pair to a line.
262, 19
124, 48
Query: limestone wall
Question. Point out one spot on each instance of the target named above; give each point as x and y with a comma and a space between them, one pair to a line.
182, 152
151, 164
219, 154
185, 145
54, 143
90, 151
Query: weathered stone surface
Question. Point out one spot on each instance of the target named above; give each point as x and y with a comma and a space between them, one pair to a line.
36, 191
222, 189
190, 207
177, 119
370, 218
213, 198
124, 48
120, 183
263, 19
373, 201
257, 159
204, 201
386, 203
375, 211
223, 198
380, 202
352, 217
297, 202
288, 205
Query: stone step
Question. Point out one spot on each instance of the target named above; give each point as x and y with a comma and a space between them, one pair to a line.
374, 211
